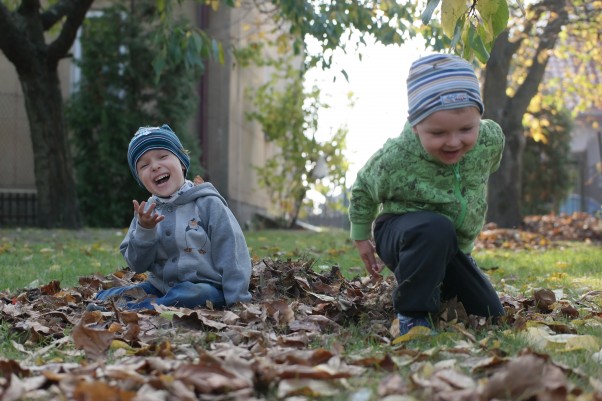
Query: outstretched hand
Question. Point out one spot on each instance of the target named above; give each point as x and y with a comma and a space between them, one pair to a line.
372, 262
147, 217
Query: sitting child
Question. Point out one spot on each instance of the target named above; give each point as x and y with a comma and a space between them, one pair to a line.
184, 236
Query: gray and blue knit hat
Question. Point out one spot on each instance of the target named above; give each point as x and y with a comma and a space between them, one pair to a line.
148, 138
441, 82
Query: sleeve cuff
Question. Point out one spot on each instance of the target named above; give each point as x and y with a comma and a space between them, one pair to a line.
361, 231
145, 234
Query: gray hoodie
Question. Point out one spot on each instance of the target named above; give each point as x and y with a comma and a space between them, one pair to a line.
199, 241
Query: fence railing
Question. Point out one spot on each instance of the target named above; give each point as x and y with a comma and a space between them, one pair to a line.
18, 208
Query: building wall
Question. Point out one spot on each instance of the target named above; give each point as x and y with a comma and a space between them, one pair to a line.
586, 137
233, 144
16, 153
586, 148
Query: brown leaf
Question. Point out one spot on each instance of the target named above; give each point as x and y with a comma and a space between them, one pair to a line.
569, 312
9, 367
99, 391
527, 377
51, 288
384, 363
93, 341
280, 311
544, 300
210, 378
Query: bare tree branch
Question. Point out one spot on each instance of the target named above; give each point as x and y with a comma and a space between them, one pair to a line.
75, 16
55, 13
11, 38
529, 88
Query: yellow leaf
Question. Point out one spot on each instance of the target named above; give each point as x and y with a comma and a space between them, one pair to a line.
541, 338
585, 342
415, 332
451, 11
46, 250
118, 344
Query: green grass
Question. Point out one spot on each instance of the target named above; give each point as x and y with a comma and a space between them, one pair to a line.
328, 248
34, 257
574, 266
31, 257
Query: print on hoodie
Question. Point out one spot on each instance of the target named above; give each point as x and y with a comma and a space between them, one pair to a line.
193, 225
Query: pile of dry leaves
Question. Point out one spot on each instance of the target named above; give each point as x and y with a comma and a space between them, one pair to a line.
539, 232
297, 340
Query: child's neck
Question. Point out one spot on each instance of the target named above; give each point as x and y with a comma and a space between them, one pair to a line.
167, 199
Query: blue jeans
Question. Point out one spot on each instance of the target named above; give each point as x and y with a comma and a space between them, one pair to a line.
186, 294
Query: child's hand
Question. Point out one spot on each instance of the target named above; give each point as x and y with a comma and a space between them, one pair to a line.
147, 218
372, 263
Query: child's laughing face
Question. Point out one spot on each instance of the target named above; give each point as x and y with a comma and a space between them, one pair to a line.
161, 172
448, 135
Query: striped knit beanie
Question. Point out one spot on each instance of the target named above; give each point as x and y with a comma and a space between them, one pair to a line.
148, 138
441, 82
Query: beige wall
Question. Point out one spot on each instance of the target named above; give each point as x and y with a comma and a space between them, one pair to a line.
16, 154
16, 159
235, 144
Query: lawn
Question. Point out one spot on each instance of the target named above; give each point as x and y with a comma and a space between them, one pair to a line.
30, 257
309, 334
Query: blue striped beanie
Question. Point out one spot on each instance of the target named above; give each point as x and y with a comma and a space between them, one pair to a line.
148, 138
441, 82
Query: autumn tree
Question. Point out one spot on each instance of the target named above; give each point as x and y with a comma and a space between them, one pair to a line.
514, 77
546, 178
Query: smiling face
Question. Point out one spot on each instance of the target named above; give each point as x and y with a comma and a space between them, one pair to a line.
448, 135
160, 171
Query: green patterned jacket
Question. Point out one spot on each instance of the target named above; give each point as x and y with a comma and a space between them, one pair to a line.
402, 177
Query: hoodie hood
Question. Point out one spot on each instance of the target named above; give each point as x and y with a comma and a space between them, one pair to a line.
191, 194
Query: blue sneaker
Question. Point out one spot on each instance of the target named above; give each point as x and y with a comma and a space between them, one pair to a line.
91, 307
406, 323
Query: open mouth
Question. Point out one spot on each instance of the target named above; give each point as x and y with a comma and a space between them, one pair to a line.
163, 179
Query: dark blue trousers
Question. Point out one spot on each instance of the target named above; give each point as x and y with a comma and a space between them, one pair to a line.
421, 248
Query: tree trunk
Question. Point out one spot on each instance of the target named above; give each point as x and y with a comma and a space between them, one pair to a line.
57, 197
505, 185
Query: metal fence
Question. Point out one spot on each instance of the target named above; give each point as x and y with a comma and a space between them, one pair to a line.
18, 208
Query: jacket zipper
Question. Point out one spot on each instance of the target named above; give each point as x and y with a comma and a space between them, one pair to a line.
458, 192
